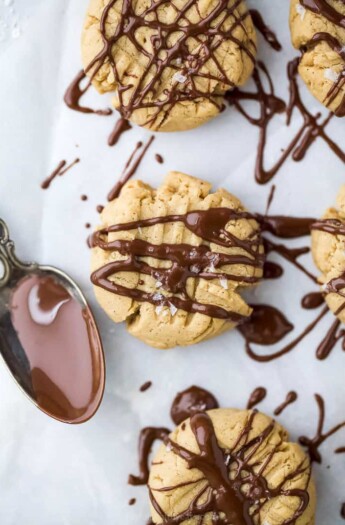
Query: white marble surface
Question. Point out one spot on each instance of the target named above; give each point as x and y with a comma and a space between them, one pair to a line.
51, 474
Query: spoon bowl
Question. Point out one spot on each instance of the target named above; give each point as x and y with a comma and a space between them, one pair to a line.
49, 339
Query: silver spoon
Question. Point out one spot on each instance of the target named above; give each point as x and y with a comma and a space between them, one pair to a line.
48, 337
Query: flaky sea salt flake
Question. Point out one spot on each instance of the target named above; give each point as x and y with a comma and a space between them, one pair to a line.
300, 10
178, 77
330, 74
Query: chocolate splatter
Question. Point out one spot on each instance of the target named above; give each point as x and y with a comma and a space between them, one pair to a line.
290, 398
159, 158
130, 169
265, 30
59, 171
190, 401
145, 386
313, 444
256, 397
121, 126
312, 300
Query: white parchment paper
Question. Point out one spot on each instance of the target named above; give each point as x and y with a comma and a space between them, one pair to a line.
52, 474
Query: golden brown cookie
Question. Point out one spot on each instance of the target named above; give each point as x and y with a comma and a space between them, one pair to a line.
318, 30
172, 261
168, 63
231, 466
328, 248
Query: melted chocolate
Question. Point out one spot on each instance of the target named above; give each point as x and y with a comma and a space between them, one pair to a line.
332, 226
342, 511
100, 208
186, 260
75, 92
340, 450
60, 170
147, 438
223, 496
334, 334
313, 444
272, 326
159, 158
323, 8
132, 501
290, 398
162, 56
121, 126
83, 197
266, 326
267, 33
190, 401
258, 395
62, 346
272, 270
130, 168
270, 106
145, 386
312, 300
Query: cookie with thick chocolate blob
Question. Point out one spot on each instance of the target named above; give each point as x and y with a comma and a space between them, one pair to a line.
328, 248
171, 262
169, 64
318, 30
231, 466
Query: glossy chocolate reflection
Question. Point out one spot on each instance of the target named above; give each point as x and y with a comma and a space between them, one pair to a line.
62, 348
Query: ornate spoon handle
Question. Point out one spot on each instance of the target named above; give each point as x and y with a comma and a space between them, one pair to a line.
8, 257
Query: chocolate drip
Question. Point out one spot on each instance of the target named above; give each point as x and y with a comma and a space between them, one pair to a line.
147, 438
145, 386
75, 92
83, 197
313, 444
130, 168
267, 33
290, 254
59, 171
342, 511
312, 300
121, 126
272, 270
190, 401
290, 398
270, 106
323, 8
100, 208
163, 56
132, 501
224, 496
340, 450
258, 395
159, 158
187, 261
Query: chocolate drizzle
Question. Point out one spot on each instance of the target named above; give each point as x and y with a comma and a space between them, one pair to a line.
121, 126
323, 8
145, 386
187, 261
75, 92
267, 33
208, 33
147, 438
59, 171
258, 395
290, 398
313, 444
270, 106
130, 169
190, 401
236, 489
312, 300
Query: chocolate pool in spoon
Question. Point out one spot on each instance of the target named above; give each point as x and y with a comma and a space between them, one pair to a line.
48, 337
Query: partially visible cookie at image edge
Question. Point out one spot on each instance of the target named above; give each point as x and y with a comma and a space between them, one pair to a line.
318, 30
231, 466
